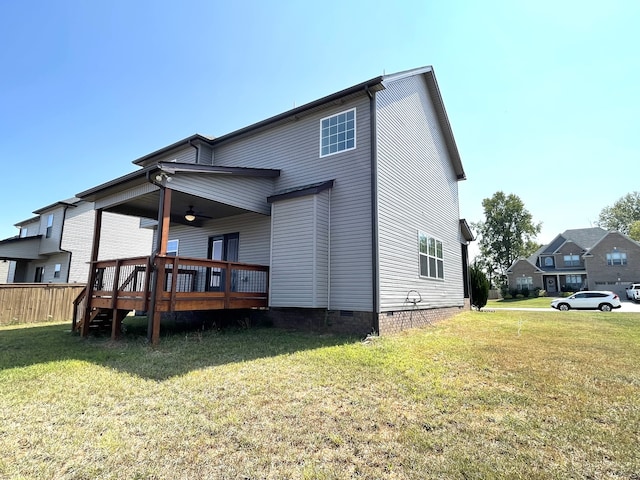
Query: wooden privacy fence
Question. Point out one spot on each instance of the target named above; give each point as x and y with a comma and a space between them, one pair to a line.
37, 302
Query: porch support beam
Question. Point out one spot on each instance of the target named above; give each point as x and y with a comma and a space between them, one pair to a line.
95, 248
162, 237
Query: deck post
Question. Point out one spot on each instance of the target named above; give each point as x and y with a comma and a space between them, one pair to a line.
157, 284
97, 227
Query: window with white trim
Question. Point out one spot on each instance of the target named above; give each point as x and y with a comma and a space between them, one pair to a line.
431, 256
571, 260
338, 133
49, 225
616, 258
172, 248
24, 231
524, 282
56, 270
574, 282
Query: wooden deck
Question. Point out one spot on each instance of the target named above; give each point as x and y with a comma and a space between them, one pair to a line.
168, 284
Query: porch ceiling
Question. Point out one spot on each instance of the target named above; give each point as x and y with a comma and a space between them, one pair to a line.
146, 206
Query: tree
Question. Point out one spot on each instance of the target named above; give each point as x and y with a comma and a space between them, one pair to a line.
507, 233
621, 214
634, 230
479, 286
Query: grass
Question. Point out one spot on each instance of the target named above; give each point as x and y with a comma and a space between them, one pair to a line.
531, 302
500, 394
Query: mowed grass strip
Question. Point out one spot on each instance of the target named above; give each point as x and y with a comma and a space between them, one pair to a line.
483, 395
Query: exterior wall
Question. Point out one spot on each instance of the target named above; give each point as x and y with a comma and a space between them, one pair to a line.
254, 236
186, 154
417, 191
25, 248
51, 244
523, 268
395, 322
4, 271
300, 252
613, 277
569, 248
120, 237
248, 193
294, 148
322, 320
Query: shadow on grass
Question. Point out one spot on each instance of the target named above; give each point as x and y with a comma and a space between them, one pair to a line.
179, 352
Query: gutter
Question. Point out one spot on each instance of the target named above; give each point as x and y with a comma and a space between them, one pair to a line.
375, 254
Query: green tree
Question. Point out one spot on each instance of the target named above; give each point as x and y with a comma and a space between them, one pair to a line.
479, 286
507, 233
621, 214
634, 230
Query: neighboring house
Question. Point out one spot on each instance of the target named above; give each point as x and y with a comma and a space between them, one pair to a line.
580, 259
55, 246
340, 214
4, 271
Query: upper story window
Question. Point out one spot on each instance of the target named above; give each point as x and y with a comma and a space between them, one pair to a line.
24, 231
616, 258
548, 261
571, 260
172, 248
338, 133
431, 256
49, 225
56, 270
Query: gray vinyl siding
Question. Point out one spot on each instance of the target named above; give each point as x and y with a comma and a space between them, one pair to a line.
120, 237
300, 252
123, 196
26, 248
254, 237
51, 244
249, 193
294, 148
417, 191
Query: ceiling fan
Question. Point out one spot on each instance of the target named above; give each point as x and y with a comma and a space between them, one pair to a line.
190, 215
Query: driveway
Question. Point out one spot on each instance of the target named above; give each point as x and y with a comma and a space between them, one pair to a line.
626, 306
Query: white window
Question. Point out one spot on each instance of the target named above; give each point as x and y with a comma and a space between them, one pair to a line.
338, 133
24, 231
49, 225
431, 256
524, 282
571, 261
172, 248
616, 258
56, 270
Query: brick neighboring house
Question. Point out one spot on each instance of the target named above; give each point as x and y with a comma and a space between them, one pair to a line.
580, 259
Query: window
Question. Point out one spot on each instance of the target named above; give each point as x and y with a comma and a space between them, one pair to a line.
24, 231
431, 257
338, 133
49, 225
571, 260
574, 282
172, 248
616, 258
524, 282
39, 276
548, 261
56, 271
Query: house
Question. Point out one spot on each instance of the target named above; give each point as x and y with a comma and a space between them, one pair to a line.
580, 259
340, 214
55, 245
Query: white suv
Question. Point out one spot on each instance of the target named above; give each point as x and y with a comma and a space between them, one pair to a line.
631, 291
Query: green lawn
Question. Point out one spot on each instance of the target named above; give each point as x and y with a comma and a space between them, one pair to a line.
496, 394
532, 302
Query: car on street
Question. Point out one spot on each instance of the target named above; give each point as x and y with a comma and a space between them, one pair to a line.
588, 300
631, 290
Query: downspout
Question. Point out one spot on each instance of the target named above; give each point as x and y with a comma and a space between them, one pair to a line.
197, 152
375, 257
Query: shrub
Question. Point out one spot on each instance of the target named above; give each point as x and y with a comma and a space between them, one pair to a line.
479, 287
525, 292
541, 292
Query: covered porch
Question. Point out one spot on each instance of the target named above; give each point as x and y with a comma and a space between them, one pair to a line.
166, 195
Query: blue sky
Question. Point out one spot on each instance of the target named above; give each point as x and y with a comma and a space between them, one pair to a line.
542, 96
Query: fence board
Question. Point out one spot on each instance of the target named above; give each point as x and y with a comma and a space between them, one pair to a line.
37, 302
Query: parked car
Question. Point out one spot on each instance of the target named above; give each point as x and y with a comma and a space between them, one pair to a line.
588, 300
636, 295
631, 290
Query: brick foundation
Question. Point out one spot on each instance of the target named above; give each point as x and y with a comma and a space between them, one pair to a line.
394, 322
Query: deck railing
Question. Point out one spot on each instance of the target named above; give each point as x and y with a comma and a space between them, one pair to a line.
184, 284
